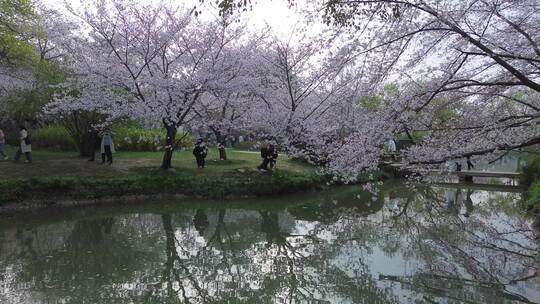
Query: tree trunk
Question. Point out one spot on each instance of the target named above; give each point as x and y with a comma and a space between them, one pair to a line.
223, 154
79, 126
95, 143
84, 140
221, 140
170, 144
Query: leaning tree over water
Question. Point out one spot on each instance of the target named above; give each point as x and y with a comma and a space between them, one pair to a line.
465, 72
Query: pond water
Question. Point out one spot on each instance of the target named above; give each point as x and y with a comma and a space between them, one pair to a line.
403, 244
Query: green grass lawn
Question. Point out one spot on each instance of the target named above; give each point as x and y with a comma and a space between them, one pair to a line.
57, 175
184, 160
52, 163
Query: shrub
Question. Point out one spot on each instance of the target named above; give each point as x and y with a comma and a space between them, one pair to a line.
247, 145
53, 137
530, 172
214, 187
533, 197
12, 136
137, 139
530, 177
57, 138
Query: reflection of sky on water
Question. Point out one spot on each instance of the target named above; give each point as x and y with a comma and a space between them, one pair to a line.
405, 246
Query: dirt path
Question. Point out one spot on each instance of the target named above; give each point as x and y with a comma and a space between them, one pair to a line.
64, 167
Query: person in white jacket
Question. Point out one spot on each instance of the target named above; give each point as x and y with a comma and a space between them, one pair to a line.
392, 146
107, 147
25, 145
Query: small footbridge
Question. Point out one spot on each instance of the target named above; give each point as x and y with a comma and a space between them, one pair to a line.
461, 174
465, 174
465, 178
481, 186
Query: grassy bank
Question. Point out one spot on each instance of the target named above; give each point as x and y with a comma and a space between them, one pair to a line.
57, 175
64, 164
242, 183
63, 175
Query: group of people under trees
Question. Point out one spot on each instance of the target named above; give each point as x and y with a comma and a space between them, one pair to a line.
469, 164
24, 147
105, 144
269, 155
200, 152
106, 147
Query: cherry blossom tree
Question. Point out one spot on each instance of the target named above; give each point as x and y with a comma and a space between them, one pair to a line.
32, 64
465, 76
148, 62
224, 108
16, 53
455, 78
303, 86
55, 35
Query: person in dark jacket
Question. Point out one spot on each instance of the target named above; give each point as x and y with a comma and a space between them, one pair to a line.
200, 152
469, 163
265, 159
222, 153
272, 156
95, 144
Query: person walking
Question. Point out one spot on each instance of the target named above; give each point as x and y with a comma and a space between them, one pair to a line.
469, 163
392, 150
25, 145
2, 144
200, 152
272, 155
107, 147
392, 146
265, 159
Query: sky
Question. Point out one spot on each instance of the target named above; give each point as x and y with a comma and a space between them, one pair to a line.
283, 20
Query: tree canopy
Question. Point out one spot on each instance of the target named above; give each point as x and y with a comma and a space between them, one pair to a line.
463, 74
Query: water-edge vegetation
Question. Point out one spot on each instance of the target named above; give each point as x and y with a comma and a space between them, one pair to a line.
530, 179
232, 184
64, 176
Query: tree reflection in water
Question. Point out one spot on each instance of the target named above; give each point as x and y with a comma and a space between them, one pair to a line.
404, 244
